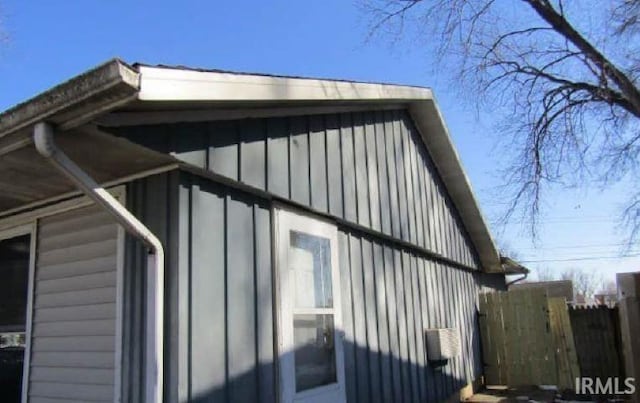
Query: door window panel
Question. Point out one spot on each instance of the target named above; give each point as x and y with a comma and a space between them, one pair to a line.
315, 360
310, 261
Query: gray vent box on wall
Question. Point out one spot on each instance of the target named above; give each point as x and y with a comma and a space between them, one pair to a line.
442, 344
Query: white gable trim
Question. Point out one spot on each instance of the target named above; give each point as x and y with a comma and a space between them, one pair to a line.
168, 84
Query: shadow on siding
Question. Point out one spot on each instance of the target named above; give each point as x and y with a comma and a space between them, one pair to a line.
403, 385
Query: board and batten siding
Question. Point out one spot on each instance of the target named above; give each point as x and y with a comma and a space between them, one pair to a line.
368, 168
390, 295
219, 312
74, 333
230, 330
220, 302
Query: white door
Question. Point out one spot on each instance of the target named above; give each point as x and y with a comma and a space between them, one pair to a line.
310, 323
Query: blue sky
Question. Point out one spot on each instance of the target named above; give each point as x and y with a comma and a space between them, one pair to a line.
57, 40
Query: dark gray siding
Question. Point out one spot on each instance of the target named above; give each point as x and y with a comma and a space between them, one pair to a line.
154, 200
390, 295
368, 168
219, 320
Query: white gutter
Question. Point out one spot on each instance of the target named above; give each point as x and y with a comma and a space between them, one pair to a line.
45, 144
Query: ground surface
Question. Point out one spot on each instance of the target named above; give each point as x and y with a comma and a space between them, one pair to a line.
498, 394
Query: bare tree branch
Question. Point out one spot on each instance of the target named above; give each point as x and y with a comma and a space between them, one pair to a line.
571, 112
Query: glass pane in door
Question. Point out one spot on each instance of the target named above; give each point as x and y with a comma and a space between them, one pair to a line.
14, 279
315, 360
310, 264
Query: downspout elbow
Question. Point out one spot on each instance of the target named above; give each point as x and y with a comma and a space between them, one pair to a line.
43, 140
519, 279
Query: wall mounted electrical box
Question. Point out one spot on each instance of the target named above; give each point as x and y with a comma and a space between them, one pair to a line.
442, 344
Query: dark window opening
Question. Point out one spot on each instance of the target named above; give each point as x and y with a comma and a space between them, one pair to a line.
14, 280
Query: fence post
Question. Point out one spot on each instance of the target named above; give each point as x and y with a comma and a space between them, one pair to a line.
630, 329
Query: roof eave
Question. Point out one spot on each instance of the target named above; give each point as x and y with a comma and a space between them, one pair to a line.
115, 83
510, 266
77, 100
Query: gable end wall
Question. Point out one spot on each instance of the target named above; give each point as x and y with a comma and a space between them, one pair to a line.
367, 168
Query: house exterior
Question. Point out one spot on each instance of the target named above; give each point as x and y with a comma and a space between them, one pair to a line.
184, 235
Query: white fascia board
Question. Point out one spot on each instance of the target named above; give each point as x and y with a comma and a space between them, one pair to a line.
167, 84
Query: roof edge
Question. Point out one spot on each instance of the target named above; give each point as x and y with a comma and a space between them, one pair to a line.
114, 83
512, 267
96, 82
172, 84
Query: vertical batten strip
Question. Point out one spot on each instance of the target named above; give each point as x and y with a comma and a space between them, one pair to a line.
348, 168
318, 163
372, 171
373, 344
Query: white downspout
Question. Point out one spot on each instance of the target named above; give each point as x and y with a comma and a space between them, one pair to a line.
45, 144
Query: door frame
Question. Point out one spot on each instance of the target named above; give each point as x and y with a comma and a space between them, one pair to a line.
285, 219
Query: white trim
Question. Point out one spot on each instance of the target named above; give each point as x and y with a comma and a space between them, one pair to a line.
287, 221
120, 267
166, 84
15, 231
26, 370
26, 229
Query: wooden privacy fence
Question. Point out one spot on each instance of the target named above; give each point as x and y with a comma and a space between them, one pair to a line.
527, 339
596, 332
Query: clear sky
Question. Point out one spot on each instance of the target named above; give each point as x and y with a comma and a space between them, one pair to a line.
56, 40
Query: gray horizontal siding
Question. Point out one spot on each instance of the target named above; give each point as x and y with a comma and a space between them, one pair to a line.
369, 168
389, 296
74, 316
